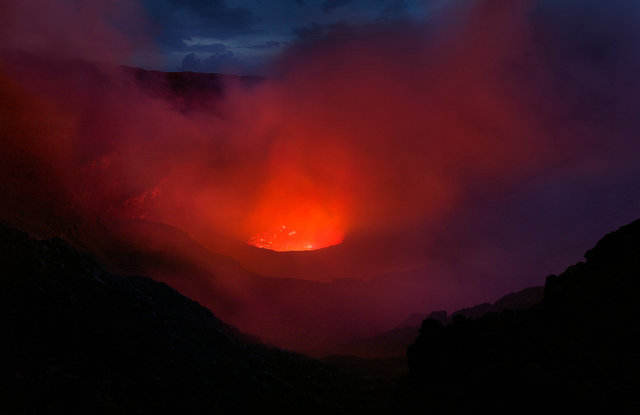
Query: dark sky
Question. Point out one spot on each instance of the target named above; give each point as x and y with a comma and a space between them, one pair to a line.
241, 36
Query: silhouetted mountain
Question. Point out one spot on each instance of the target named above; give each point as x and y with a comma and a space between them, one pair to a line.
188, 90
575, 352
395, 342
520, 300
77, 339
416, 319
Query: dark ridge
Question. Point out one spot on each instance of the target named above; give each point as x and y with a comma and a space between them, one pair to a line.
188, 90
575, 352
394, 343
77, 339
520, 300
415, 319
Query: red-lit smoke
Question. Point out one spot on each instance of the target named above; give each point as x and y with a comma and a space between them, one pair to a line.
357, 133
381, 135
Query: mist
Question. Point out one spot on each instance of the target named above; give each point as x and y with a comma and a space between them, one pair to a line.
460, 150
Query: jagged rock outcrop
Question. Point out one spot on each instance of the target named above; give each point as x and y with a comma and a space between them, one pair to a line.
394, 343
520, 300
576, 351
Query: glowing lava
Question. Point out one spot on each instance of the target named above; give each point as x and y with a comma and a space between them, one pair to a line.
284, 238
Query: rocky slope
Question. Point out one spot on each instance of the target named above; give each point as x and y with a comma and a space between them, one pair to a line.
394, 343
79, 339
576, 351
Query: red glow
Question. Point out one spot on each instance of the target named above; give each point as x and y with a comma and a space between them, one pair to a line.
287, 238
354, 135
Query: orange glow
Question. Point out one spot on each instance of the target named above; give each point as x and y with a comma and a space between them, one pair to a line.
302, 206
286, 238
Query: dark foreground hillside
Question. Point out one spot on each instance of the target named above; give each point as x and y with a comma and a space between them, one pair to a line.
576, 352
394, 343
78, 339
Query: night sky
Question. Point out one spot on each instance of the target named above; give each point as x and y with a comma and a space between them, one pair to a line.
242, 36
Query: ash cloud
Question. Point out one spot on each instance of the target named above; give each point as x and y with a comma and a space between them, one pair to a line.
493, 135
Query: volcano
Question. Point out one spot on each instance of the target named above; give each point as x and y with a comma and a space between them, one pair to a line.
285, 238
312, 174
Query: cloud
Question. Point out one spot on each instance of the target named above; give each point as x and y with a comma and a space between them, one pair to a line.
218, 48
177, 20
82, 29
317, 31
271, 44
395, 8
314, 31
222, 61
330, 5
381, 137
486, 139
